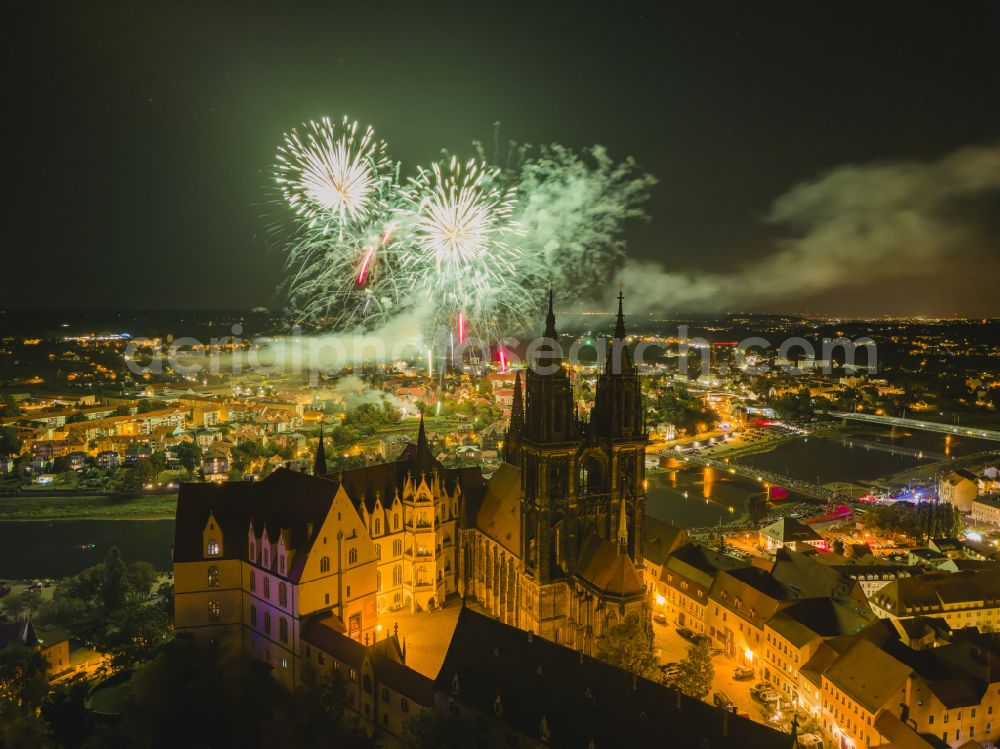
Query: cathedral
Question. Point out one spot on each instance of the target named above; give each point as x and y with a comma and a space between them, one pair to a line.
554, 545
551, 543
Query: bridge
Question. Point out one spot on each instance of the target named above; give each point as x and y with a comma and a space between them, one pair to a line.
806, 488
929, 426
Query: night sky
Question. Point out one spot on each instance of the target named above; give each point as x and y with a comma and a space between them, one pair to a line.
140, 134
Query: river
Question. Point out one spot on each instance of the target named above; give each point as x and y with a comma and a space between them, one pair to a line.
58, 548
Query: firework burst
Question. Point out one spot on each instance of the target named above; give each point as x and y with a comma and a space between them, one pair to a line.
332, 177
461, 250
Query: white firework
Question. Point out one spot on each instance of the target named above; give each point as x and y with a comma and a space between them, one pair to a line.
332, 177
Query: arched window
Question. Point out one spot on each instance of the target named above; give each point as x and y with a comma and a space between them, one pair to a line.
378, 582
397, 547
378, 551
283, 629
352, 556
281, 564
253, 551
253, 581
397, 575
267, 587
395, 521
267, 622
213, 576
324, 564
214, 611
267, 557
212, 548
282, 594
253, 615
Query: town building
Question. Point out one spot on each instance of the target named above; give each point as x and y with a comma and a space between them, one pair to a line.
967, 598
986, 509
959, 488
789, 533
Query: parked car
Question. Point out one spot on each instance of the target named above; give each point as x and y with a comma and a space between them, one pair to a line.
686, 633
722, 700
699, 639
670, 671
810, 741
743, 672
660, 618
760, 686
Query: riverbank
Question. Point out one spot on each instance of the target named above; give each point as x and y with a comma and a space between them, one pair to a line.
88, 507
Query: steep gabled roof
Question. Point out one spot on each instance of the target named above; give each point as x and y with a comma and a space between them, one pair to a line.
565, 699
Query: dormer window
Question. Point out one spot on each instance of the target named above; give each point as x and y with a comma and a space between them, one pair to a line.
281, 564
378, 526
253, 551
267, 557
212, 548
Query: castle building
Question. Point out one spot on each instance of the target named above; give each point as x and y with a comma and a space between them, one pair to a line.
555, 544
259, 560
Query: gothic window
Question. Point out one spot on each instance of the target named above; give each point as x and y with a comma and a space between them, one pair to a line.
213, 576
253, 615
352, 556
378, 582
281, 564
283, 629
397, 575
253, 581
212, 548
214, 611
395, 521
253, 551
378, 526
267, 587
282, 594
324, 564
591, 476
267, 622
267, 557
397, 547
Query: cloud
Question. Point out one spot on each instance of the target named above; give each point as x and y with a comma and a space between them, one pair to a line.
855, 224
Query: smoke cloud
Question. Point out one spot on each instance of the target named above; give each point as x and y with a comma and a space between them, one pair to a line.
853, 224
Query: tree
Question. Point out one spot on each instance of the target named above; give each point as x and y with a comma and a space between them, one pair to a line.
22, 604
838, 546
10, 443
133, 634
189, 455
23, 686
144, 472
141, 577
114, 585
629, 646
696, 671
151, 405
430, 729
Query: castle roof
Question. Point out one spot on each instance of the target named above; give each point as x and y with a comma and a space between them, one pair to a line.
565, 699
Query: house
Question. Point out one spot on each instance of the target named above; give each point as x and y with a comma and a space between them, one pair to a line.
986, 509
55, 649
959, 488
789, 533
108, 459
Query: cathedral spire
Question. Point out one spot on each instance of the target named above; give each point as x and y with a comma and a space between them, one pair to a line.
623, 528
319, 462
620, 323
550, 320
510, 445
424, 457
